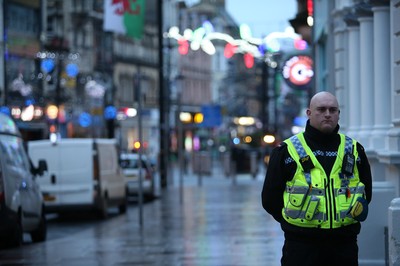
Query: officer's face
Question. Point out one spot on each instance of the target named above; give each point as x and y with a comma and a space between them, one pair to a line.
324, 112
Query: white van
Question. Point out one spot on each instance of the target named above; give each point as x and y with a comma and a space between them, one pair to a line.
83, 174
21, 201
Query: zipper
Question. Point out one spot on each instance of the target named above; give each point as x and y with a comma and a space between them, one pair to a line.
326, 198
330, 203
333, 203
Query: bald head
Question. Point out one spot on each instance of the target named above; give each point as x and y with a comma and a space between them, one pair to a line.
323, 96
323, 112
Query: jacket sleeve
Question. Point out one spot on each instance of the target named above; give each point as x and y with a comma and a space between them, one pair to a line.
275, 181
364, 171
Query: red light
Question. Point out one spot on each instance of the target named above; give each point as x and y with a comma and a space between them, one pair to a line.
310, 8
229, 50
183, 48
248, 60
137, 145
53, 129
300, 44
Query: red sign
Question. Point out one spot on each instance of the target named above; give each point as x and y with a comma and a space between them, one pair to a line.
298, 71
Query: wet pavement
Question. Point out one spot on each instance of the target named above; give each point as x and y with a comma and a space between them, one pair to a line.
212, 221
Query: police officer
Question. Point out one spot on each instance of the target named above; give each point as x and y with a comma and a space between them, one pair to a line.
318, 186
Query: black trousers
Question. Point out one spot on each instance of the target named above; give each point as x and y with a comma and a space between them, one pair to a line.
299, 253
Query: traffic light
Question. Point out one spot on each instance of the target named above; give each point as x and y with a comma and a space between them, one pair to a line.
198, 118
191, 117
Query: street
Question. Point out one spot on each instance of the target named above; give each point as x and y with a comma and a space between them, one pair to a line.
216, 222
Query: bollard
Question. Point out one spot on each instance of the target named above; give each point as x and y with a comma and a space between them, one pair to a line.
373, 229
233, 173
253, 164
394, 232
227, 164
200, 178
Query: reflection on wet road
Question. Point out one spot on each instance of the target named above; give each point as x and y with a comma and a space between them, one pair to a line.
215, 224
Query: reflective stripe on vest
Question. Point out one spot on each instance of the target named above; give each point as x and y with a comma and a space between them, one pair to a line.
302, 153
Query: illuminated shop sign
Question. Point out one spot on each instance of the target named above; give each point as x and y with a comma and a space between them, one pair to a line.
298, 71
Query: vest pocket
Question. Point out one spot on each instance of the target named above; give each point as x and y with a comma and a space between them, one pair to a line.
345, 203
343, 199
312, 208
346, 195
297, 200
298, 193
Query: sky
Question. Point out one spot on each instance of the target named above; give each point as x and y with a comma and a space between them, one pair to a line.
262, 16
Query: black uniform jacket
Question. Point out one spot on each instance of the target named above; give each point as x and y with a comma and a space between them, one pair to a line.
324, 146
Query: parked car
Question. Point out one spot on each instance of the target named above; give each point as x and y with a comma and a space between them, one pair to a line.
83, 174
21, 201
129, 163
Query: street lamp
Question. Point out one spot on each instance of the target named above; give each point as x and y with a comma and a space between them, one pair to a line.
179, 123
269, 139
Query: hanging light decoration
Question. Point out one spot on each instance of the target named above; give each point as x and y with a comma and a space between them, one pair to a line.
183, 47
248, 60
249, 46
229, 50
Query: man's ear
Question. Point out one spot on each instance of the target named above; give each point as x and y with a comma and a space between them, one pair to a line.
308, 112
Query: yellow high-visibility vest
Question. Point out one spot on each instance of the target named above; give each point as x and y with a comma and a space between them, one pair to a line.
313, 199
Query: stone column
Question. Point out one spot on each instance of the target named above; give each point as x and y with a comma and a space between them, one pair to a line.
341, 71
382, 89
394, 133
353, 83
366, 78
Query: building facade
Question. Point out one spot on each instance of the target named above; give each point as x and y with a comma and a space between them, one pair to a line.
57, 53
356, 50
84, 81
21, 86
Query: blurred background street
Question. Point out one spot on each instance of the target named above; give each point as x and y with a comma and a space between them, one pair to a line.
216, 224
201, 91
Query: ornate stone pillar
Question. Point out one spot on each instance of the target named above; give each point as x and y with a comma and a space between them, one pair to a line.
382, 89
394, 134
366, 73
341, 72
353, 69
